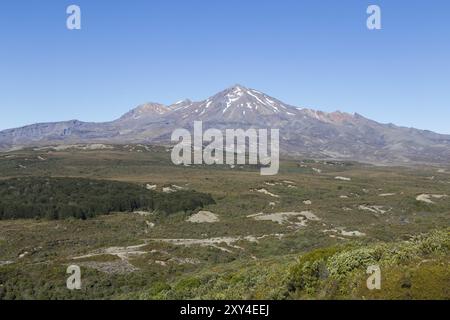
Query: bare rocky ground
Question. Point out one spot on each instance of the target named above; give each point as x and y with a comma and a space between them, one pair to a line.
204, 217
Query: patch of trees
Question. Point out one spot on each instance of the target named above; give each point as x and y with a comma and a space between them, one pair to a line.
59, 198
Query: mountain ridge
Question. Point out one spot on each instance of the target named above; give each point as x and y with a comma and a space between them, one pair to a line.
303, 131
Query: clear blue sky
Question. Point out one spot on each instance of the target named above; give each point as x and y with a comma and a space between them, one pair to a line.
309, 53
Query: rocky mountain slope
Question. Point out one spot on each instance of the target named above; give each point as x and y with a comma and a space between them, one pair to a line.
303, 132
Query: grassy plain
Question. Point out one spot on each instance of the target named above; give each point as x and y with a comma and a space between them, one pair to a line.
358, 208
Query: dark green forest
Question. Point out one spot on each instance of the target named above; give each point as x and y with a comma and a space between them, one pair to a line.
60, 198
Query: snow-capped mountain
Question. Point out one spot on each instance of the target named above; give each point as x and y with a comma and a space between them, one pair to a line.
236, 104
145, 111
303, 132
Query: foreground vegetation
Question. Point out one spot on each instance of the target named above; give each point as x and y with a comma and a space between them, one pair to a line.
414, 269
376, 215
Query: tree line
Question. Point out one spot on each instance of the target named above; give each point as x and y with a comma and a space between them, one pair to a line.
59, 198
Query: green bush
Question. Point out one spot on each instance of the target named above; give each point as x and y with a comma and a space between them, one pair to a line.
310, 269
339, 271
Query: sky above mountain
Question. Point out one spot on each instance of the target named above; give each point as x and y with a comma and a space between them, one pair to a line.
315, 54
